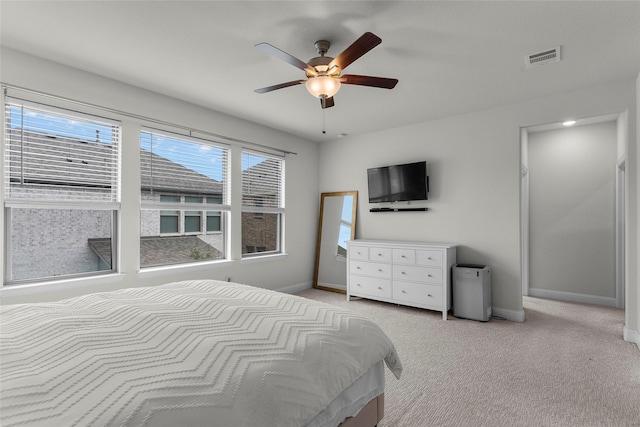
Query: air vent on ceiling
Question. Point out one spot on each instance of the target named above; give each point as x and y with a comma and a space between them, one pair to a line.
542, 58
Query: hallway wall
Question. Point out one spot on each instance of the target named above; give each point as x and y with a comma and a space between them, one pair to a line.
572, 213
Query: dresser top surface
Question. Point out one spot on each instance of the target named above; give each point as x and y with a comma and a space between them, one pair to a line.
394, 243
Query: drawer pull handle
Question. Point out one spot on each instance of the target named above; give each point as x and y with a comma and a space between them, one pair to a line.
429, 295
380, 270
358, 284
404, 292
379, 254
379, 287
358, 268
403, 256
429, 258
403, 272
428, 275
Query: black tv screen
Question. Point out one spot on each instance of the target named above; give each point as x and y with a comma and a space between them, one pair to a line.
398, 183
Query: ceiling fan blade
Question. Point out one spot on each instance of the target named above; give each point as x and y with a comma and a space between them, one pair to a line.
327, 102
279, 86
364, 44
382, 82
284, 56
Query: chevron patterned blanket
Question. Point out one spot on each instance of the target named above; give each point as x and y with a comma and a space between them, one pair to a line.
190, 353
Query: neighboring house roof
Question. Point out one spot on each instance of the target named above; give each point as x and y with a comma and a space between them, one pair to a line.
162, 250
68, 161
254, 183
161, 174
43, 158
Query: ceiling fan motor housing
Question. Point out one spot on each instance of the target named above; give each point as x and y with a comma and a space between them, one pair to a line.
321, 65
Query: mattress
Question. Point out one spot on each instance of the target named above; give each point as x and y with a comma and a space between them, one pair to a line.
186, 353
349, 403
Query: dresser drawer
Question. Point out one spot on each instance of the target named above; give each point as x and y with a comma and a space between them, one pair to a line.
404, 256
429, 258
370, 269
417, 274
370, 286
358, 252
380, 254
417, 293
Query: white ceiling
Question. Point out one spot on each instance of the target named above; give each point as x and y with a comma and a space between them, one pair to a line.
450, 57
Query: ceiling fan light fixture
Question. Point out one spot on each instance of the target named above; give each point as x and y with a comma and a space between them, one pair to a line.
320, 86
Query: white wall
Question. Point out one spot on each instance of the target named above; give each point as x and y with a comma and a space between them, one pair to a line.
474, 165
572, 174
293, 270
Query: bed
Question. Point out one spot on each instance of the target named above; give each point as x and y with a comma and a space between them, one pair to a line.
191, 353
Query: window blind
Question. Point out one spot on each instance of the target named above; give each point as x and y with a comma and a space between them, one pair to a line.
183, 166
262, 182
58, 155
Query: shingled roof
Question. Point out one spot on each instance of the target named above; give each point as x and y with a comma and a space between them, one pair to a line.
70, 162
156, 250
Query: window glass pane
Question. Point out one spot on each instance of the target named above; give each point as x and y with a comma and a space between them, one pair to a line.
192, 199
188, 171
262, 180
213, 221
48, 243
192, 222
260, 234
168, 222
169, 198
156, 250
53, 154
182, 166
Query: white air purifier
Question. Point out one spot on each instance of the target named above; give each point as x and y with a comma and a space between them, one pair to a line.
472, 292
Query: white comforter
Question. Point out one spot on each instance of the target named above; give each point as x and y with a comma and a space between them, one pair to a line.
183, 354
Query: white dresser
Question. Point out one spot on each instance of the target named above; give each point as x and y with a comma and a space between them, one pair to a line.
407, 273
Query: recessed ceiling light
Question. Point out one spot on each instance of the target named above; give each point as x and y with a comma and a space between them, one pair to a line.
569, 123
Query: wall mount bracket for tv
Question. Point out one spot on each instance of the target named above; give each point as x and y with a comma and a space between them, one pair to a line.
398, 209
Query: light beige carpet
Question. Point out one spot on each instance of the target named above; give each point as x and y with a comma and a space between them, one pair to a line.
566, 365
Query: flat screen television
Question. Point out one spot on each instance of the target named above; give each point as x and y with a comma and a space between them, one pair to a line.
398, 183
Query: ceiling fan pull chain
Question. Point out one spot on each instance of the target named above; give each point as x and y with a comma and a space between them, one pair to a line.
324, 121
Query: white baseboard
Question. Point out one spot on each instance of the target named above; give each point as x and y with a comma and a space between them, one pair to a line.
514, 316
631, 336
573, 297
294, 289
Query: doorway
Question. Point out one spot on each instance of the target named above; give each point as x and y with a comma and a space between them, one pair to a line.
572, 212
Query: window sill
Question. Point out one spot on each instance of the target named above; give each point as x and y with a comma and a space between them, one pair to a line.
195, 266
9, 291
263, 258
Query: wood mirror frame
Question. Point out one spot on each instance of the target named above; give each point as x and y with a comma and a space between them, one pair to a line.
331, 258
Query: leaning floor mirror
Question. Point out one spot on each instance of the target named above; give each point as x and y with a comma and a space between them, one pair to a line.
336, 225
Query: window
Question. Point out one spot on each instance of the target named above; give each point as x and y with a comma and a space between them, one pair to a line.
184, 192
185, 222
262, 203
61, 192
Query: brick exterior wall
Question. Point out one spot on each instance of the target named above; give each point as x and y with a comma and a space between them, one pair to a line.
54, 242
259, 231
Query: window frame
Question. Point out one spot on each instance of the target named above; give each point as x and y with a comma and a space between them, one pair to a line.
259, 210
182, 207
109, 202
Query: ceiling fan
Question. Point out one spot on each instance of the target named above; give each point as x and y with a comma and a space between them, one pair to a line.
323, 72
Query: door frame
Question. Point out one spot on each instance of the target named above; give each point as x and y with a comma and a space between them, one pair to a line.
620, 206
